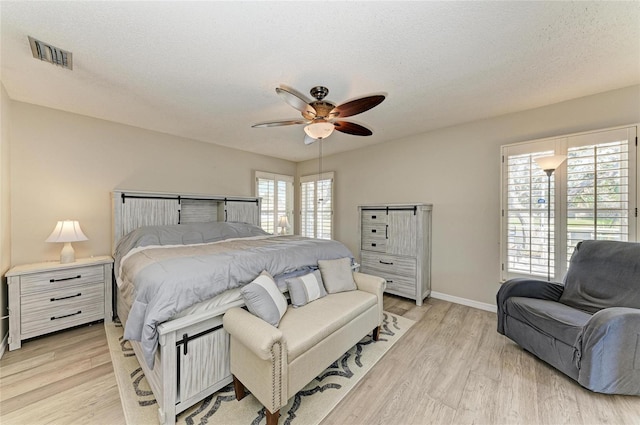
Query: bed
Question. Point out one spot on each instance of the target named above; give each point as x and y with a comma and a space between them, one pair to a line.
200, 249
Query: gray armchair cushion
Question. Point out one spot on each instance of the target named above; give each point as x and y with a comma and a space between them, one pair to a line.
562, 322
603, 274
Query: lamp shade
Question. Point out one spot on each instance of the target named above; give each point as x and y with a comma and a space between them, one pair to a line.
319, 130
67, 231
284, 222
550, 162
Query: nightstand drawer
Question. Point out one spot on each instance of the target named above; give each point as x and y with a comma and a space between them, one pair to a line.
61, 320
56, 279
35, 303
61, 315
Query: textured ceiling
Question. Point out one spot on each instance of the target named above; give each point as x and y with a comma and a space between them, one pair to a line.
208, 70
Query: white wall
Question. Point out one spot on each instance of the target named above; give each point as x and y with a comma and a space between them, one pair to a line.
65, 165
457, 169
5, 207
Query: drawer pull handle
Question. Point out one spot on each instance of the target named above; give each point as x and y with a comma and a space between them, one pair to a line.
66, 315
374, 217
64, 298
384, 262
65, 278
373, 244
386, 231
389, 281
373, 230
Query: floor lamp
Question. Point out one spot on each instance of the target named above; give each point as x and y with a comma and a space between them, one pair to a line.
549, 164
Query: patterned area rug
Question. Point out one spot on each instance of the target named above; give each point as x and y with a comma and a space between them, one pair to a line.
309, 406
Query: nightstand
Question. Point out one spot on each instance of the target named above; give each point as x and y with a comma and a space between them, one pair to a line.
48, 297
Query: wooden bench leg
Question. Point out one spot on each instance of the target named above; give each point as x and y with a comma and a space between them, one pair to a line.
376, 333
272, 418
238, 387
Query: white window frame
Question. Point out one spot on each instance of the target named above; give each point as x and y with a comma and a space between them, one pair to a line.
315, 213
278, 211
560, 146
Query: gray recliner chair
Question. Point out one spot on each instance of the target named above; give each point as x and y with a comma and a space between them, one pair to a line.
588, 327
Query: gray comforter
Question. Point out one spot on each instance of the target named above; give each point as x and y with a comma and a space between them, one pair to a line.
164, 280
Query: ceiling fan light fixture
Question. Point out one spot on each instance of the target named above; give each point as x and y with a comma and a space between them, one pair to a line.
319, 130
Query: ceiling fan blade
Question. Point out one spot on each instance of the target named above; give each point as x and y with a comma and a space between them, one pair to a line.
357, 106
308, 140
352, 128
279, 123
296, 101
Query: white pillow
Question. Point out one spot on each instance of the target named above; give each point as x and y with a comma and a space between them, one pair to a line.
337, 275
307, 288
264, 300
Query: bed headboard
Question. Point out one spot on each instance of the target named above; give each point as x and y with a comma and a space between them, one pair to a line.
133, 209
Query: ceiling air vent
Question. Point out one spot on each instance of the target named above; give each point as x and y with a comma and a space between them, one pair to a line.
51, 54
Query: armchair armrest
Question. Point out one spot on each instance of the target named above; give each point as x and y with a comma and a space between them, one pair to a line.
610, 351
525, 287
374, 285
254, 333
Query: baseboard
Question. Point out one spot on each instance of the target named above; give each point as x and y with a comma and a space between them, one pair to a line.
464, 301
3, 345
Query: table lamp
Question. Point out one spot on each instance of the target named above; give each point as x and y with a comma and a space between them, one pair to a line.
283, 224
67, 231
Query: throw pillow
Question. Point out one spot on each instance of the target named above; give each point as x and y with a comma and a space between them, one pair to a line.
307, 288
264, 300
337, 275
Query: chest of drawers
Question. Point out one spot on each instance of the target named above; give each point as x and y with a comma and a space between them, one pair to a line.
395, 244
48, 297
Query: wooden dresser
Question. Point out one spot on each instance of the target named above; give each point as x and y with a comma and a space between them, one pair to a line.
395, 243
48, 297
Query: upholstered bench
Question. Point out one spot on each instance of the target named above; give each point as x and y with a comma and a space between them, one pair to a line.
274, 363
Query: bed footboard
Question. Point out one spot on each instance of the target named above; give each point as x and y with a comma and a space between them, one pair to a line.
192, 361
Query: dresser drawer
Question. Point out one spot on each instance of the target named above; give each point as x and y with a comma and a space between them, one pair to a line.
400, 284
374, 244
371, 217
374, 231
389, 264
56, 279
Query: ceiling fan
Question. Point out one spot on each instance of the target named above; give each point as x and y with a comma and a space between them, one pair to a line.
322, 117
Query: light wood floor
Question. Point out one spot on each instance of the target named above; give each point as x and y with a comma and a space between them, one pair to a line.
452, 367
64, 378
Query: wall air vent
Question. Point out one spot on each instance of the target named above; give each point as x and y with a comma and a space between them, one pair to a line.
51, 54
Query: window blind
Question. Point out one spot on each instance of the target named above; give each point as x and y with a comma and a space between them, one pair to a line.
316, 212
593, 196
276, 191
598, 190
526, 214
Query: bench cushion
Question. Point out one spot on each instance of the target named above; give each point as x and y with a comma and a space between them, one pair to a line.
303, 328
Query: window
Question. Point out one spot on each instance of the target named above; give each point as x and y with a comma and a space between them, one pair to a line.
317, 206
593, 196
276, 191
